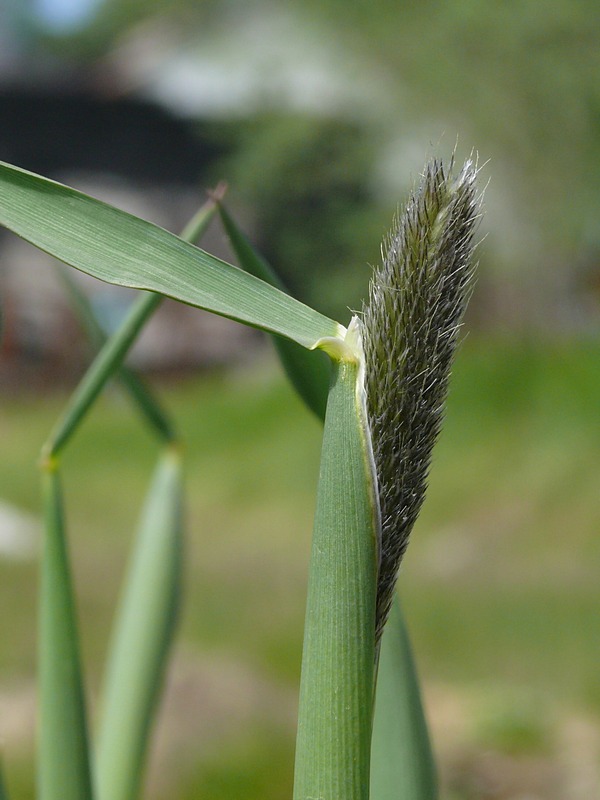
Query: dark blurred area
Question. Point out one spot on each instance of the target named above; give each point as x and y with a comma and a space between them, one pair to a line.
319, 116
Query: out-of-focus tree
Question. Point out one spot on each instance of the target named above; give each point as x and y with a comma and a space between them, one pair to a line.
520, 78
521, 81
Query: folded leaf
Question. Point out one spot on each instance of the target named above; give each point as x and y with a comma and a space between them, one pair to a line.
3, 792
143, 633
402, 766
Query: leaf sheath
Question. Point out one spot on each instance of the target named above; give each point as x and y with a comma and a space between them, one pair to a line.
334, 725
64, 763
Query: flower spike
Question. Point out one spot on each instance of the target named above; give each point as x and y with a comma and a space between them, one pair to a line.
410, 327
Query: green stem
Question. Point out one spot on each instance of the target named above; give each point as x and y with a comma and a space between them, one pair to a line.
109, 360
64, 768
100, 372
336, 692
138, 391
3, 791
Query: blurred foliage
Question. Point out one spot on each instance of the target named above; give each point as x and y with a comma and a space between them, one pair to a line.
110, 21
521, 78
304, 179
520, 81
514, 724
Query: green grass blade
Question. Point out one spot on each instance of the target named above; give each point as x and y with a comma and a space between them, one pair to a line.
109, 361
197, 226
402, 765
138, 391
308, 371
336, 692
125, 250
64, 764
3, 791
142, 636
82, 308
102, 369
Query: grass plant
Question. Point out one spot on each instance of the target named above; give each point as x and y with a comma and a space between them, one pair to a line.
382, 416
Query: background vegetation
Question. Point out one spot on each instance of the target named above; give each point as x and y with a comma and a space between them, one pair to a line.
500, 583
366, 92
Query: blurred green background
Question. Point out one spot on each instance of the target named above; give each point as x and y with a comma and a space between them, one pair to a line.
320, 115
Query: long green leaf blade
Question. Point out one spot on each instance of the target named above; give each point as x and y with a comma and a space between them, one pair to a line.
334, 719
402, 765
64, 763
125, 250
142, 637
3, 791
308, 371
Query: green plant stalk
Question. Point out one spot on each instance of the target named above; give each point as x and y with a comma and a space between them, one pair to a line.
109, 361
3, 791
159, 564
140, 393
64, 764
102, 369
402, 764
134, 677
142, 636
336, 691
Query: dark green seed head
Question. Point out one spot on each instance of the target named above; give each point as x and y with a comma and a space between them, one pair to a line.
410, 330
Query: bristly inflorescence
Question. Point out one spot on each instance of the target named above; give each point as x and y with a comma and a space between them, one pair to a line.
410, 329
